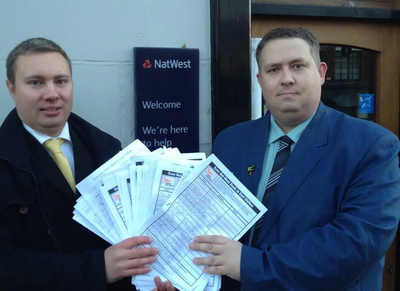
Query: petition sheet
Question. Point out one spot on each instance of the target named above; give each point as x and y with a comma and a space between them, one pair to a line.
89, 187
210, 201
167, 177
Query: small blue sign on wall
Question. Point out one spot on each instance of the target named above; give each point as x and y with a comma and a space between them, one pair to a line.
366, 103
167, 97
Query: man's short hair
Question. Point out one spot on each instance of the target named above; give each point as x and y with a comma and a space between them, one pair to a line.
31, 46
290, 32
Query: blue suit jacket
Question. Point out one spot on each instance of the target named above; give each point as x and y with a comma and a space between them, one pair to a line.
335, 210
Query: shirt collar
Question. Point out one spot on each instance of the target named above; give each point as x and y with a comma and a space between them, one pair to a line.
275, 132
43, 137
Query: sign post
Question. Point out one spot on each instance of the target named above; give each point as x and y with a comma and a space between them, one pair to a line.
167, 97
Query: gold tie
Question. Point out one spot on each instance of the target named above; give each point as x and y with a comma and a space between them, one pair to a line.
54, 146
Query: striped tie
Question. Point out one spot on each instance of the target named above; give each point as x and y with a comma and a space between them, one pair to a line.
282, 155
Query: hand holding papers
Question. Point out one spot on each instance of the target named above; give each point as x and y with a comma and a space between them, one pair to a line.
226, 255
122, 259
172, 199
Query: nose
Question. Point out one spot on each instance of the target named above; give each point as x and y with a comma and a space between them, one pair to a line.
50, 92
287, 77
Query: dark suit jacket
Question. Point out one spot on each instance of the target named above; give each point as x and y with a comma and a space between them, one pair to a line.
334, 212
41, 246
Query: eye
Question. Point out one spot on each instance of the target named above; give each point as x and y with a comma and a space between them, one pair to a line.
62, 81
298, 66
273, 70
34, 83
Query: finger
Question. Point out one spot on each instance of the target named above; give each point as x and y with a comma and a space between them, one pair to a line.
136, 271
212, 260
208, 248
159, 284
212, 239
216, 270
169, 286
142, 252
136, 240
140, 262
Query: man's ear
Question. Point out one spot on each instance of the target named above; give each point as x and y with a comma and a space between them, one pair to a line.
259, 79
10, 87
322, 68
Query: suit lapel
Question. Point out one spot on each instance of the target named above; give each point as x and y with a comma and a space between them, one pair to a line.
305, 156
84, 164
254, 155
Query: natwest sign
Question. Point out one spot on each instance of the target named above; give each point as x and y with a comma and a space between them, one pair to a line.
172, 64
167, 101
167, 64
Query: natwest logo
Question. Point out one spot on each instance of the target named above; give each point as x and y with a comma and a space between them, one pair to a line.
147, 64
172, 64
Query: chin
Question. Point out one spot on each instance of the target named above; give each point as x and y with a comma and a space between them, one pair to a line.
54, 123
287, 108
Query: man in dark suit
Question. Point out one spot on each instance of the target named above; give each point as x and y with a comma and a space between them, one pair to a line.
41, 247
334, 206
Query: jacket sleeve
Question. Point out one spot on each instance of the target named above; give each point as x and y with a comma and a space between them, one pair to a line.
340, 252
22, 269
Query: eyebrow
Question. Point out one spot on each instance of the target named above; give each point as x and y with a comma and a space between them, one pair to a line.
297, 60
60, 76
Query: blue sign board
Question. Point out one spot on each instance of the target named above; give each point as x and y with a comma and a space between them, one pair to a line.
366, 103
167, 97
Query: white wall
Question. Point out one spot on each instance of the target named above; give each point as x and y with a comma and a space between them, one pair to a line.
99, 37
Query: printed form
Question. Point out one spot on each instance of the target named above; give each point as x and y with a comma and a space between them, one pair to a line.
210, 201
95, 210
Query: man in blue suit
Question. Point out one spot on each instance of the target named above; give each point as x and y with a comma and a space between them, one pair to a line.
335, 207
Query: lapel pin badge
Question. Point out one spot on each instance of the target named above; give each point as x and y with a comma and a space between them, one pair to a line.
251, 169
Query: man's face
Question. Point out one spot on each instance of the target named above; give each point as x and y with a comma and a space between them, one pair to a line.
290, 81
43, 91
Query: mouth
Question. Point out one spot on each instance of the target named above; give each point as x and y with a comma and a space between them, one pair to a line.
287, 94
50, 109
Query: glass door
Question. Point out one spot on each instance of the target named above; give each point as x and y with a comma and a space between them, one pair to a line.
350, 83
